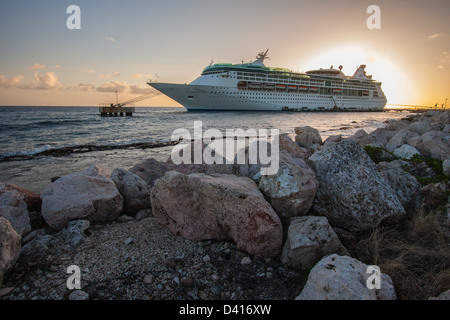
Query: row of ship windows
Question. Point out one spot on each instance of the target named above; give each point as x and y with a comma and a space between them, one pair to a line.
326, 92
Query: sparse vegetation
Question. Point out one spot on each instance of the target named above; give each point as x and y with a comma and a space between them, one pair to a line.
415, 254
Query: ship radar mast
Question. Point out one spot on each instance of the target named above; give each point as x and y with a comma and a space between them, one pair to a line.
260, 58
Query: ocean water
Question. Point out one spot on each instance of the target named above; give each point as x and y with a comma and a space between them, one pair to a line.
39, 143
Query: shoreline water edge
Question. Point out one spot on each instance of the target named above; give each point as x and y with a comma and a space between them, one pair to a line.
318, 229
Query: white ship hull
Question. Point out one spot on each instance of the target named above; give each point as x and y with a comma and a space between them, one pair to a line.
220, 98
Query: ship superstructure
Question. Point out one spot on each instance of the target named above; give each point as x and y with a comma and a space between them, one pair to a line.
256, 87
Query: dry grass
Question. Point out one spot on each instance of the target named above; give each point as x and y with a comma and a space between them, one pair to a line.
415, 254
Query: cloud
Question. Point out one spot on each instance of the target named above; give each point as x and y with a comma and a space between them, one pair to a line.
110, 39
47, 81
84, 87
119, 86
441, 67
139, 90
90, 71
57, 66
434, 36
141, 75
112, 75
37, 66
6, 82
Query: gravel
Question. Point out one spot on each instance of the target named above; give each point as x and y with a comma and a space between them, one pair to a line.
141, 260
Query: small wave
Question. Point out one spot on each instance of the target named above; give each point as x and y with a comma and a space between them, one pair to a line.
61, 151
57, 122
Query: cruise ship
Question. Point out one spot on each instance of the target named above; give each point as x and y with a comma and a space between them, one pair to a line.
256, 87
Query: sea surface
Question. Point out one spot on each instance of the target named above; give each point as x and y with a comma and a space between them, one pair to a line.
39, 143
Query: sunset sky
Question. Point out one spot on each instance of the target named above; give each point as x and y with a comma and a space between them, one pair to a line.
121, 44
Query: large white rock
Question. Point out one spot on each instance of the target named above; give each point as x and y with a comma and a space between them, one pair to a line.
419, 127
134, 190
405, 152
9, 247
343, 278
292, 190
352, 194
14, 209
433, 144
83, 195
400, 138
309, 239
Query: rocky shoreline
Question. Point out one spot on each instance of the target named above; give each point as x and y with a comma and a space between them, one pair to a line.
224, 232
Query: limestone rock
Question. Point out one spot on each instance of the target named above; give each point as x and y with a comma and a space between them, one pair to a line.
9, 247
309, 239
405, 152
221, 207
419, 127
405, 186
433, 144
352, 194
84, 195
400, 138
134, 190
343, 278
32, 199
292, 148
307, 137
292, 190
14, 209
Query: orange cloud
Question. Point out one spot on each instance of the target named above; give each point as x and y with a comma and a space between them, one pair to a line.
112, 75
47, 81
113, 86
141, 75
37, 66
6, 82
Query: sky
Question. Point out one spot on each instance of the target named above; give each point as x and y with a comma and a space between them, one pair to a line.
123, 44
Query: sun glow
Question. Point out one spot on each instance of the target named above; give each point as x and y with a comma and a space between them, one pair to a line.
396, 86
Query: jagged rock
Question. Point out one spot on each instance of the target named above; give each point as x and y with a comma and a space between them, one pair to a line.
343, 278
419, 127
433, 144
332, 139
221, 207
406, 152
400, 138
291, 191
396, 125
84, 195
443, 296
309, 239
446, 167
9, 247
362, 137
352, 194
307, 137
32, 199
14, 209
150, 170
134, 190
406, 187
292, 148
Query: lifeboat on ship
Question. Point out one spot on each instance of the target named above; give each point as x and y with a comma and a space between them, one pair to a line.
242, 85
281, 86
292, 88
269, 86
303, 88
254, 85
313, 89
